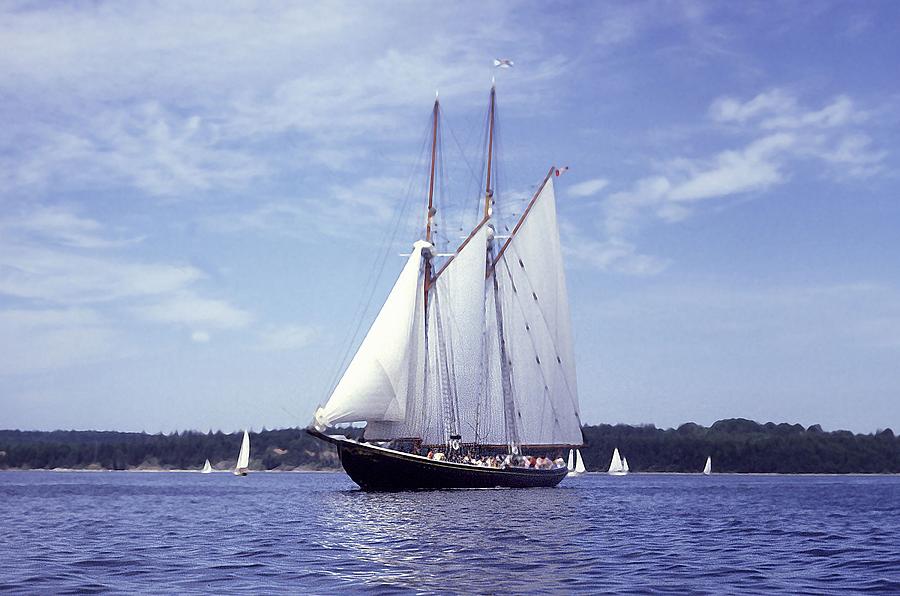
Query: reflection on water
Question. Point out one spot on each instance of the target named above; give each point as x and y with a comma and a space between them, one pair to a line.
84, 532
434, 539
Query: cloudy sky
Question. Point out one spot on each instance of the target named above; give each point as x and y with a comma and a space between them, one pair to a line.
196, 204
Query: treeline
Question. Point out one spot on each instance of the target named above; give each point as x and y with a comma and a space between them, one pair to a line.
286, 449
735, 445
739, 445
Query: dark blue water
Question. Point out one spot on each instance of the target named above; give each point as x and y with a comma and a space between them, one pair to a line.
267, 533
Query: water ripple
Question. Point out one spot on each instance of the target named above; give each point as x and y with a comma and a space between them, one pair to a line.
282, 533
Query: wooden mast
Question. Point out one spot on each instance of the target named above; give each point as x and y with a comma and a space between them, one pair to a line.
431, 210
434, 124
488, 191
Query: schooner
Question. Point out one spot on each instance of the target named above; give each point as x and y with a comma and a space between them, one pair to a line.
469, 361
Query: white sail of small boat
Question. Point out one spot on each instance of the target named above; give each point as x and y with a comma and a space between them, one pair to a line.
616, 468
625, 465
576, 464
243, 461
707, 469
207, 468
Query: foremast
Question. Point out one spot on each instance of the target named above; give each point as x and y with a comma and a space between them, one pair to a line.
436, 366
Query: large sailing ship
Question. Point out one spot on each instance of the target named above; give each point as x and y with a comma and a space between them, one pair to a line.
466, 378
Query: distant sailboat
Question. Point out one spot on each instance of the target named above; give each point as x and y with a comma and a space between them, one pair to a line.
243, 461
616, 466
707, 469
207, 468
576, 464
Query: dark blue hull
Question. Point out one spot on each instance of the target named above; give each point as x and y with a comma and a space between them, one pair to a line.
379, 469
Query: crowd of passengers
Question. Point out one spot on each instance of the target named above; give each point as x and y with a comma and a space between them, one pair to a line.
499, 461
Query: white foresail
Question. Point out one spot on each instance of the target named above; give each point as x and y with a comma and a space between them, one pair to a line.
625, 464
537, 328
707, 469
243, 461
382, 374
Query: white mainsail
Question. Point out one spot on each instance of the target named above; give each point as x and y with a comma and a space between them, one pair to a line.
571, 464
381, 376
615, 464
579, 463
457, 337
207, 468
243, 460
707, 469
536, 328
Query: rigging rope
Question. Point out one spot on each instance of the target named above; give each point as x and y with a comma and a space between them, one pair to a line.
375, 272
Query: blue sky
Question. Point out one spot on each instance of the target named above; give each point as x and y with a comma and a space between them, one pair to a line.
193, 201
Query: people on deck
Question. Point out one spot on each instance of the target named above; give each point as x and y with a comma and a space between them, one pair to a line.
497, 461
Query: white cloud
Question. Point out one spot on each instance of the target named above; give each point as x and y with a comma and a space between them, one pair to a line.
61, 277
624, 207
145, 147
34, 272
288, 337
61, 226
854, 155
341, 211
35, 340
783, 133
776, 109
729, 109
755, 167
587, 188
190, 309
613, 254
216, 120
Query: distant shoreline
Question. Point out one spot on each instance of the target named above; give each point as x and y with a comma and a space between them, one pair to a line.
340, 471
735, 446
163, 470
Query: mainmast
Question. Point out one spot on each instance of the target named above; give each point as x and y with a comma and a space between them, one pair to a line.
431, 210
429, 219
488, 191
509, 407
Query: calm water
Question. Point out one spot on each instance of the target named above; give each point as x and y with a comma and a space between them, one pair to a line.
178, 532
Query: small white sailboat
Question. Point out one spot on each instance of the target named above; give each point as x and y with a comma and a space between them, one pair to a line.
579, 463
616, 467
207, 468
243, 461
707, 469
576, 464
